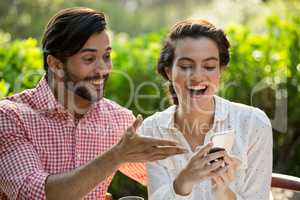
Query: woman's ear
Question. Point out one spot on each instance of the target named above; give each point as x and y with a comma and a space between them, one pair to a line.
56, 66
222, 68
168, 71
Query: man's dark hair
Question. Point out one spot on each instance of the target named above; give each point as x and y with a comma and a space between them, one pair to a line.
68, 30
193, 28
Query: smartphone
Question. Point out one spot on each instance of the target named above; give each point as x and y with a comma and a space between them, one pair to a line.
224, 140
213, 150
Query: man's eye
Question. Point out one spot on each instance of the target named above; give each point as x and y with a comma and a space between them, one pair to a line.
89, 59
107, 56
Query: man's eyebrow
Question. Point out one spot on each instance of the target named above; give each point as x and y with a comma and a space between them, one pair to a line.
88, 49
93, 49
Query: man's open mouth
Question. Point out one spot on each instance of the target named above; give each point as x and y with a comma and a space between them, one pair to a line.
96, 82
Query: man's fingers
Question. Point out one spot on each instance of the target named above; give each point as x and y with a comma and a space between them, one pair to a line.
169, 150
137, 123
162, 152
158, 157
151, 141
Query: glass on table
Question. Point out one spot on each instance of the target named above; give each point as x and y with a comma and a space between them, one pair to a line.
131, 198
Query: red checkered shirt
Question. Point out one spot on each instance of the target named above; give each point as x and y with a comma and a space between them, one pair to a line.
38, 138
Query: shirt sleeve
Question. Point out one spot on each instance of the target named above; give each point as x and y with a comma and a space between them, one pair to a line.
257, 180
21, 173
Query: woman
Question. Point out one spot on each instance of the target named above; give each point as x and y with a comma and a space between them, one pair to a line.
192, 61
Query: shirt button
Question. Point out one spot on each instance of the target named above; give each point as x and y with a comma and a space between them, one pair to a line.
78, 156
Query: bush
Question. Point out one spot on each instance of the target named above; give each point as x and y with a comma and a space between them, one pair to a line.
20, 64
265, 73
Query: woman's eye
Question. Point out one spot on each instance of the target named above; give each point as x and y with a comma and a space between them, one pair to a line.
185, 67
210, 68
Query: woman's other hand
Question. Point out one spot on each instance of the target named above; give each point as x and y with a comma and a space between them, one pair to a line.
224, 177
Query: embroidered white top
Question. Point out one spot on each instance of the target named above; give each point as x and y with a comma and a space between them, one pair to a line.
252, 145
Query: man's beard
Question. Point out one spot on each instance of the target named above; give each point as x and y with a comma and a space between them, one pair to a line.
80, 89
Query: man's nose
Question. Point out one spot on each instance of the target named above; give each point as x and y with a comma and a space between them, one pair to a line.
102, 67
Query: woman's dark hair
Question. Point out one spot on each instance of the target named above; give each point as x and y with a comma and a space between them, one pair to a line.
68, 30
193, 28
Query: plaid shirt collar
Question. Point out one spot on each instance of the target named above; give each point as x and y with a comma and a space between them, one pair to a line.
44, 98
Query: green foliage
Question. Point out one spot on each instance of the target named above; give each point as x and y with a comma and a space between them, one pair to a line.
20, 65
27, 18
263, 71
134, 72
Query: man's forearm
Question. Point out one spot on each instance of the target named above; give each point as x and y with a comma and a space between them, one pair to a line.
79, 182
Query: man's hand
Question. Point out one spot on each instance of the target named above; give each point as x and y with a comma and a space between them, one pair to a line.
135, 148
131, 148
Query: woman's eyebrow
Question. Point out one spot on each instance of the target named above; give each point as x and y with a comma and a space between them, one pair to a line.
204, 60
185, 58
211, 58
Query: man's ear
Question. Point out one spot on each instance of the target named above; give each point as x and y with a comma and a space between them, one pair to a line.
168, 71
55, 65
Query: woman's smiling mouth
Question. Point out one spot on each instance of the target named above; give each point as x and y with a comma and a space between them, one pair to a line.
197, 91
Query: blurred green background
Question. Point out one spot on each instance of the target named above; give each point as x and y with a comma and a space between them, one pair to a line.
264, 70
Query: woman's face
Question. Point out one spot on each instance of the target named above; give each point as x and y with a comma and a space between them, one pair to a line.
195, 72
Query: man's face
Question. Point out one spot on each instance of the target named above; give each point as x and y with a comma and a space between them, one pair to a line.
86, 71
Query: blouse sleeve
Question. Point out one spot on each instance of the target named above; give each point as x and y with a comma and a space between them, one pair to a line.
257, 180
159, 183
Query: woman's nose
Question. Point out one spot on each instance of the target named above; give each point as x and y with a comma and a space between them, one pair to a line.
198, 73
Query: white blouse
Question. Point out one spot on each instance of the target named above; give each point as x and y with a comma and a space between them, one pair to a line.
252, 145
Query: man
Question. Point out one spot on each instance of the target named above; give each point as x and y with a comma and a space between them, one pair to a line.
60, 139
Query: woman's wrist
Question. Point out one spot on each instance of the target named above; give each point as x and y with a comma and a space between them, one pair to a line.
225, 193
181, 186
